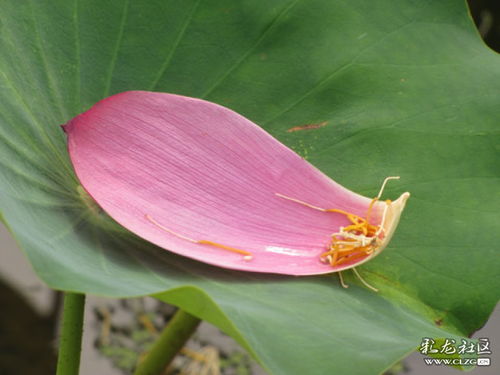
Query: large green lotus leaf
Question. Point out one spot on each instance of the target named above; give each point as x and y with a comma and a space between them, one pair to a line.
395, 87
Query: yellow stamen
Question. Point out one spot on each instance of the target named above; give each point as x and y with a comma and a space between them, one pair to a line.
334, 258
344, 285
370, 209
363, 280
233, 249
357, 240
350, 216
246, 254
350, 257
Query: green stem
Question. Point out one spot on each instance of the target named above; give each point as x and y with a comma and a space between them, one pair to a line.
171, 340
70, 340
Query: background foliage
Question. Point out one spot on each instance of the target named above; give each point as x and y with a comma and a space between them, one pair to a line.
402, 88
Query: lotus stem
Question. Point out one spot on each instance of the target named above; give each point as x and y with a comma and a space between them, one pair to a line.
169, 343
70, 340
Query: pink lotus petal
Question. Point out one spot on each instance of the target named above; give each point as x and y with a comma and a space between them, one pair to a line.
207, 173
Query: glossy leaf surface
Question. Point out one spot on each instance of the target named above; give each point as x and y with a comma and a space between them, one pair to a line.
362, 90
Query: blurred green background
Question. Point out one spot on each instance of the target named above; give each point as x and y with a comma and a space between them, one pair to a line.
486, 14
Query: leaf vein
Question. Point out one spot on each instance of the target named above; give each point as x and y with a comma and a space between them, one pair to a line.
78, 82
177, 42
119, 39
332, 75
54, 89
252, 48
